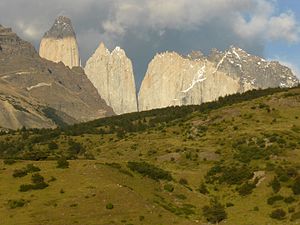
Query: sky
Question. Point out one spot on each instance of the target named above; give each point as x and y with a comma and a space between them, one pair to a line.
267, 28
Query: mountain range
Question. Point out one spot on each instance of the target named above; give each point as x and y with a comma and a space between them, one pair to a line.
51, 89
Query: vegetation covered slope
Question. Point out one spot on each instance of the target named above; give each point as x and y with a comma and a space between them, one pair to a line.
235, 161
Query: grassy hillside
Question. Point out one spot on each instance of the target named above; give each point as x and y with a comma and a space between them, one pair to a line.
235, 161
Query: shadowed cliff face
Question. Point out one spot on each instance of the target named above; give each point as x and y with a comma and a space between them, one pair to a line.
173, 79
59, 44
34, 84
112, 75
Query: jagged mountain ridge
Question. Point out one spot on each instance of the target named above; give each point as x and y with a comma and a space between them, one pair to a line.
173, 79
112, 75
59, 44
37, 84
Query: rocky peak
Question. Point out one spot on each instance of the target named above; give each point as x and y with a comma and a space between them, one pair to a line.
11, 44
59, 44
61, 28
112, 75
194, 55
172, 79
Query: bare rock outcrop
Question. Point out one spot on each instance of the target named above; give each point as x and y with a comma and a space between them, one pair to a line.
172, 79
112, 75
59, 43
38, 93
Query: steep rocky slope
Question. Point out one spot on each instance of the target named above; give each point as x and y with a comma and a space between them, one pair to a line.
112, 75
173, 79
48, 89
59, 43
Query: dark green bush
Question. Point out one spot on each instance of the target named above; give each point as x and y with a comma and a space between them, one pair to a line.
295, 216
30, 168
275, 184
296, 186
52, 145
109, 206
149, 170
289, 200
183, 181
9, 161
20, 173
16, 203
229, 204
278, 214
62, 163
203, 189
246, 189
274, 199
169, 187
214, 213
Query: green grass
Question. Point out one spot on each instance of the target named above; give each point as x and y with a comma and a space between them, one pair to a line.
139, 169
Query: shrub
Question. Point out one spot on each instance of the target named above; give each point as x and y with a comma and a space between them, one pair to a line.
25, 187
169, 187
109, 206
246, 189
275, 184
274, 199
16, 203
229, 204
37, 178
289, 200
296, 186
295, 216
52, 145
149, 170
30, 168
203, 189
19, 173
9, 161
183, 181
214, 213
278, 214
38, 184
62, 163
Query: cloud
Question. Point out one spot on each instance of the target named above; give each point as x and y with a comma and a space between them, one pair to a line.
144, 27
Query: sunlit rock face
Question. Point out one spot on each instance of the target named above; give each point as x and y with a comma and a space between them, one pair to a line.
59, 43
112, 75
38, 93
172, 79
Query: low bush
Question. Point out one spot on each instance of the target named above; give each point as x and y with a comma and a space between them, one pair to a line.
203, 189
9, 161
62, 163
246, 189
289, 200
296, 186
149, 170
295, 216
109, 206
169, 187
214, 213
274, 199
16, 203
278, 214
20, 173
38, 184
30, 168
275, 184
183, 181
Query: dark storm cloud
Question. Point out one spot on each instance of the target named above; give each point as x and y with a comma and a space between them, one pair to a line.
145, 27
